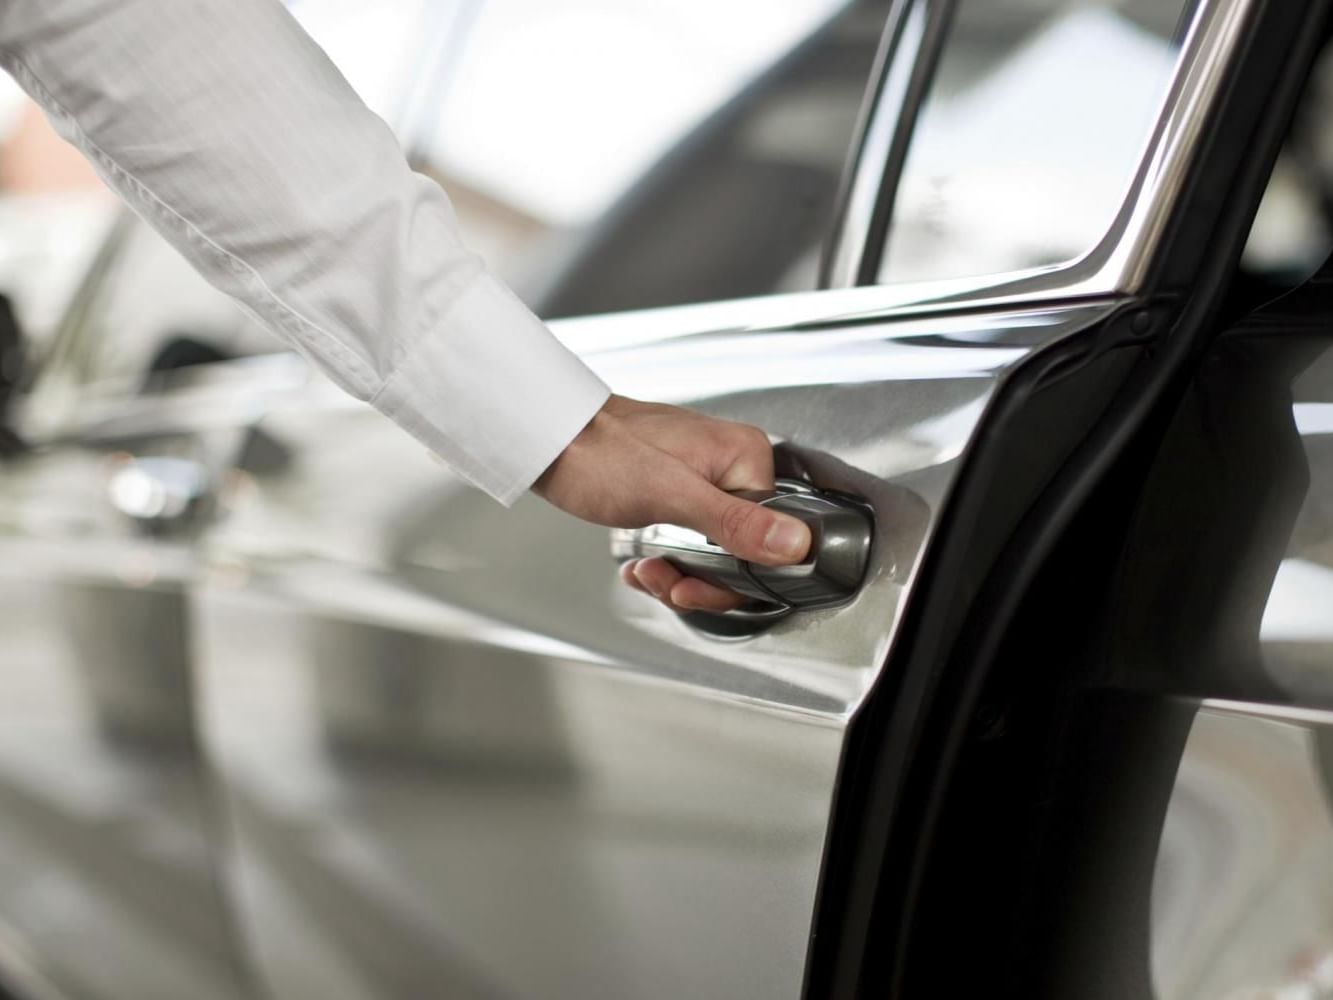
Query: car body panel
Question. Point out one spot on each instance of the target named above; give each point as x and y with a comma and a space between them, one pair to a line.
108, 844
461, 714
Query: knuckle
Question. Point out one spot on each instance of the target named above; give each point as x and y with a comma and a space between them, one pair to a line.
750, 438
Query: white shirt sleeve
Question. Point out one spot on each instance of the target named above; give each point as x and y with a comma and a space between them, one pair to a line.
226, 127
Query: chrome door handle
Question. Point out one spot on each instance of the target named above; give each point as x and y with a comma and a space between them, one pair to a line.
840, 531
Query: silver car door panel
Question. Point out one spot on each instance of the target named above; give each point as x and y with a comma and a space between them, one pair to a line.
517, 777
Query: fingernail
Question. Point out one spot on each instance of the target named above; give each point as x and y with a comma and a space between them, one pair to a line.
787, 538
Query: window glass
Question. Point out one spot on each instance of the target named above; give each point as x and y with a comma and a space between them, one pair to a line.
618, 154
1032, 129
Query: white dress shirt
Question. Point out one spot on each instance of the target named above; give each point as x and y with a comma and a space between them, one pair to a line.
226, 127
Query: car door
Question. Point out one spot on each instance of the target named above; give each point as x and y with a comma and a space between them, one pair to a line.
459, 758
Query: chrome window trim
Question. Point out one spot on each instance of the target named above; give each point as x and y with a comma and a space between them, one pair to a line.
1119, 263
904, 37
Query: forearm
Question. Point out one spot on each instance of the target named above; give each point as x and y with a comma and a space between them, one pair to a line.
229, 130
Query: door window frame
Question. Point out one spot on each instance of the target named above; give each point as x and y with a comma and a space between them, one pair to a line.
1121, 262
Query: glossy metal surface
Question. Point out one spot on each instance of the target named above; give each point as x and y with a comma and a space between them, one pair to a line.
109, 879
1117, 263
459, 755
883, 120
1242, 901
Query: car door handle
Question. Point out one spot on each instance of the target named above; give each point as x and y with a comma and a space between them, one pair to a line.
841, 528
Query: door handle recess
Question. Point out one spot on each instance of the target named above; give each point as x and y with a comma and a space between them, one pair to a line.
840, 531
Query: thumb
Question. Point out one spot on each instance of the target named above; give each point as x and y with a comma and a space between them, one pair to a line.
747, 530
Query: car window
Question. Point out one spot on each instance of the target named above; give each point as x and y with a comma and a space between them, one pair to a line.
619, 154
1033, 125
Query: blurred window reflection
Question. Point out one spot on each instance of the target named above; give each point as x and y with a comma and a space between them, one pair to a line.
1034, 125
601, 154
618, 154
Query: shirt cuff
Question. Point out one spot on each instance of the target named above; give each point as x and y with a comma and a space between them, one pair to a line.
492, 391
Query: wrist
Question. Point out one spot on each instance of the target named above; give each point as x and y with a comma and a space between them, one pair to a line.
595, 429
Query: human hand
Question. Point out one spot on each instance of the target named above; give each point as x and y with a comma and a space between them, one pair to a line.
637, 463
